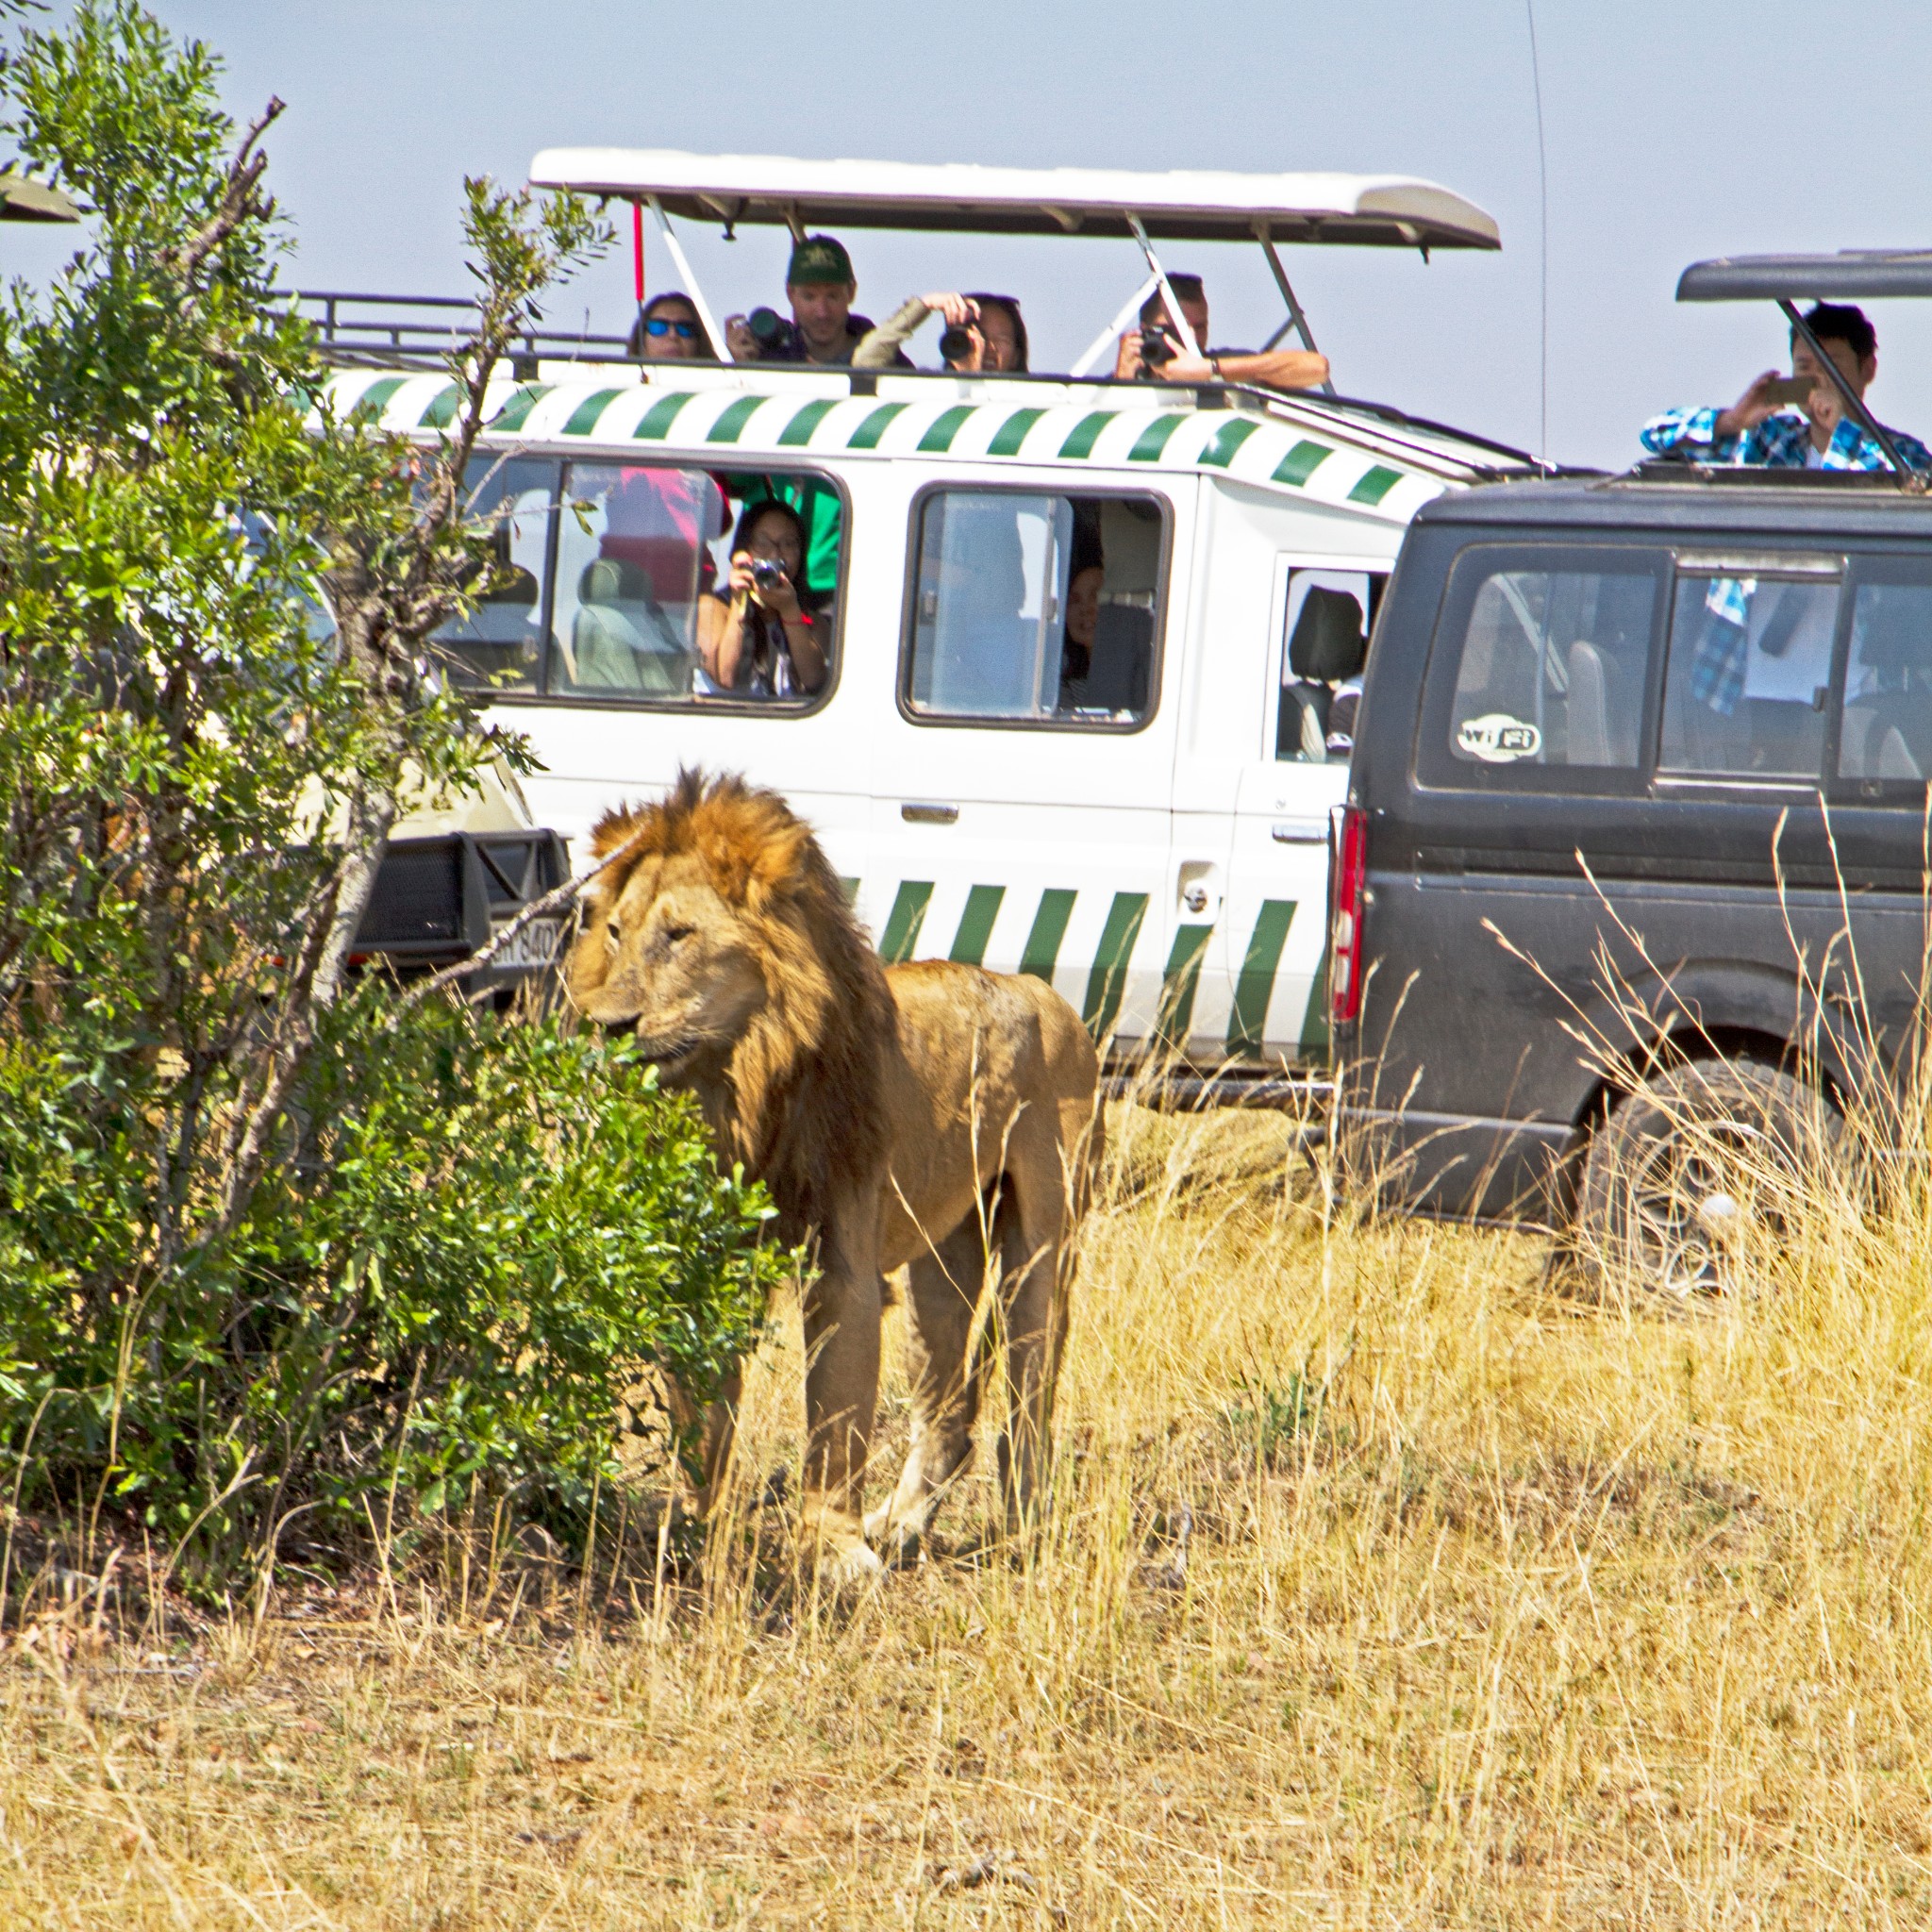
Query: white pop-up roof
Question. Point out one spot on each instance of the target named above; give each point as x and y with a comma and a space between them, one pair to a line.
1374, 210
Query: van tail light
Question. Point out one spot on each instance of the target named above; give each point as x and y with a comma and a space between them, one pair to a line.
1348, 836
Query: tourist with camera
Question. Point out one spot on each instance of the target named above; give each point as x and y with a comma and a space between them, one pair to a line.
764, 634
983, 332
820, 288
1158, 352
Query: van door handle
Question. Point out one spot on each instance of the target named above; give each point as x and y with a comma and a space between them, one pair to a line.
929, 814
1298, 832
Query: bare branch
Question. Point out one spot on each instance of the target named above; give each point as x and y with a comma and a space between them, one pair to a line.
240, 201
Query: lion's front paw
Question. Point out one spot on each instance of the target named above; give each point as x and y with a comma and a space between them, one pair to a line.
900, 1542
849, 1566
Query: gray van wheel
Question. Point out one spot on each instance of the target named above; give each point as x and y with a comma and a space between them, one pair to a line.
1691, 1164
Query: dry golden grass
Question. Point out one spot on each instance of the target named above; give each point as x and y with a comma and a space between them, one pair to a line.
1495, 1607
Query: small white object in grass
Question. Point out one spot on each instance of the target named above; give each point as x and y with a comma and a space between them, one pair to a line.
1719, 1213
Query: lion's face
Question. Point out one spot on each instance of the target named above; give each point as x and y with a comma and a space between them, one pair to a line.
669, 958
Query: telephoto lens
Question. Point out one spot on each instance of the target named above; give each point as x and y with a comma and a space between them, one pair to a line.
957, 343
769, 329
1157, 349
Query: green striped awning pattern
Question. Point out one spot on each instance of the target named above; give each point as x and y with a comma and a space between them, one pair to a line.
1099, 989
1261, 450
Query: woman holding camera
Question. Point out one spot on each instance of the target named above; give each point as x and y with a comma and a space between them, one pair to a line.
983, 332
764, 634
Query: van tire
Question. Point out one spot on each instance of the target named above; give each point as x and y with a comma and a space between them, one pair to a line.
1688, 1165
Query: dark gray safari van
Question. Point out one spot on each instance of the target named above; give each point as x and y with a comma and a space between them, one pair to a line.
1630, 894
1636, 834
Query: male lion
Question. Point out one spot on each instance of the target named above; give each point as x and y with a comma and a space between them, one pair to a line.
930, 1116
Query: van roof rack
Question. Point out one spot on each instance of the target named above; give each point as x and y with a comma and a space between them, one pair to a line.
1373, 210
1852, 275
355, 330
1359, 210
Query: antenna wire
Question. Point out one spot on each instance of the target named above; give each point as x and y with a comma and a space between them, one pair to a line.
1542, 251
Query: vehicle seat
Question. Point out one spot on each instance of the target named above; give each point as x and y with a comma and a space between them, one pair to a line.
663, 566
1325, 648
621, 638
1121, 665
1589, 706
1870, 746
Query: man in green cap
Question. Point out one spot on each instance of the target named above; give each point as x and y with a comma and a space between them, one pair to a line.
819, 286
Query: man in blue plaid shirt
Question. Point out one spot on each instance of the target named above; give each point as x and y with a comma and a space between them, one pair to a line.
1759, 429
1814, 435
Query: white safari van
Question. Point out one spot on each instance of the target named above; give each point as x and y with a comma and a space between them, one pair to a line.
1091, 644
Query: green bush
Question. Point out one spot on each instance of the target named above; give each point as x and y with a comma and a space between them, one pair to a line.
482, 1236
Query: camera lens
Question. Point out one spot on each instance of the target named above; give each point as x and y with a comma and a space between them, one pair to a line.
767, 327
957, 344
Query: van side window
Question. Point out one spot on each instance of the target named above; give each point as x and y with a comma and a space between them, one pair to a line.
1034, 608
1551, 669
1325, 644
1886, 733
1749, 677
499, 646
642, 608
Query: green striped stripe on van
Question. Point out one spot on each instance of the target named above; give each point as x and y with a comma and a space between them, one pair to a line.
1266, 450
1107, 973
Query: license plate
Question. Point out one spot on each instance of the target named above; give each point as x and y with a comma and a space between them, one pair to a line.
533, 948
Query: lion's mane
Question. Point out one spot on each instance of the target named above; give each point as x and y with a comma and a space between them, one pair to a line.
804, 1106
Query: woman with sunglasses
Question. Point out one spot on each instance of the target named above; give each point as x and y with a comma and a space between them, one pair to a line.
668, 330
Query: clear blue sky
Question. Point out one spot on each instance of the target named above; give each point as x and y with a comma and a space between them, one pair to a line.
1676, 128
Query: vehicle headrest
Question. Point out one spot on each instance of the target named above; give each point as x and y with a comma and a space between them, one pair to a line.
1327, 643
612, 580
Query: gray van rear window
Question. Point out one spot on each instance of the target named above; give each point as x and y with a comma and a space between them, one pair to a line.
1886, 736
1551, 669
1749, 679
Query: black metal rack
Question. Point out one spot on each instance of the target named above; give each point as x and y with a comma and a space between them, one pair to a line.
420, 331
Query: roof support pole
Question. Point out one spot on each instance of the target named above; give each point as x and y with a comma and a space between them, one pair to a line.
637, 264
1854, 402
1104, 340
1160, 273
1297, 318
691, 281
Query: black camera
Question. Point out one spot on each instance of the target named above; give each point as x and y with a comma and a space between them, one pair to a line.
771, 332
1157, 347
957, 343
765, 575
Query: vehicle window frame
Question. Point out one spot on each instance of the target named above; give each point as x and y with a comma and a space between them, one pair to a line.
708, 706
1860, 568
1288, 562
490, 459
1434, 768
908, 606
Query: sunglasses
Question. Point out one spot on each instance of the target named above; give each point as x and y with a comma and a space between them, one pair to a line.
684, 331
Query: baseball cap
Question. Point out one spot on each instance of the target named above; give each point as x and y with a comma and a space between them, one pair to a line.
820, 258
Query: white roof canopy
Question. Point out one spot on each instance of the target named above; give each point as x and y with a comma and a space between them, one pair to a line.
1374, 210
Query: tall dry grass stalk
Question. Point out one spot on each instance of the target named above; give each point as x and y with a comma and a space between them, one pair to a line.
1386, 1583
